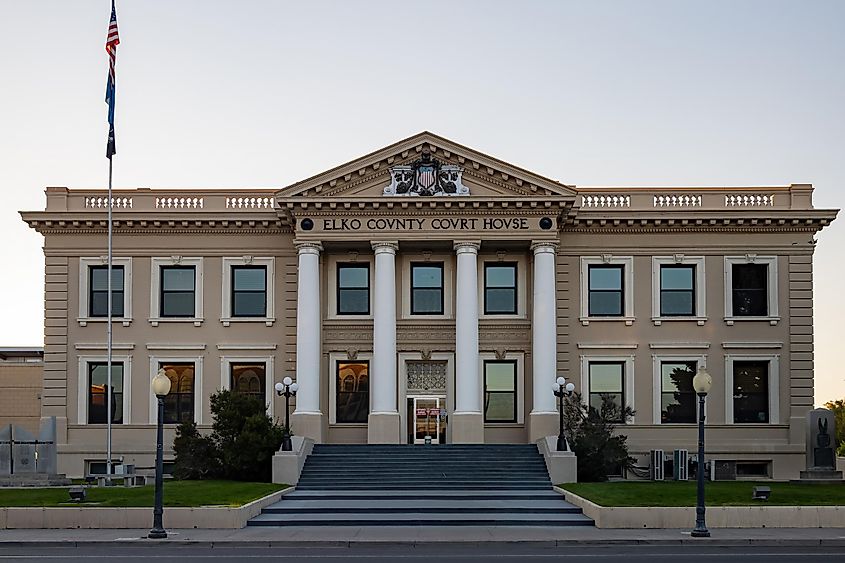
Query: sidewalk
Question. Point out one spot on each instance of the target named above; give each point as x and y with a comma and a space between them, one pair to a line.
350, 536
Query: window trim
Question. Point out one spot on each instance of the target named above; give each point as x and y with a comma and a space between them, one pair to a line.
334, 358
433, 264
657, 389
774, 387
369, 289
628, 387
700, 303
226, 363
199, 392
519, 357
84, 263
82, 385
269, 263
627, 262
449, 263
516, 395
772, 262
155, 289
485, 264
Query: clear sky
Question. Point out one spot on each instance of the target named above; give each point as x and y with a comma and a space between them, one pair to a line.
262, 94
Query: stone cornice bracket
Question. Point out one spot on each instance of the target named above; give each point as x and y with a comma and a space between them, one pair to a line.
312, 247
467, 246
385, 246
538, 246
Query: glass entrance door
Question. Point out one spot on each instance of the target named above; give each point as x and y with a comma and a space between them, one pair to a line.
429, 419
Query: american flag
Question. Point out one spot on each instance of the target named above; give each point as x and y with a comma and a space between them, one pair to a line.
111, 48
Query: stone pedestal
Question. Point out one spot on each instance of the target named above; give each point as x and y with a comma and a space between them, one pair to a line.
562, 466
383, 428
467, 428
287, 466
307, 425
821, 443
541, 424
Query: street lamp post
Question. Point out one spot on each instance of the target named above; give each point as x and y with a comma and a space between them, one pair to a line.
562, 389
701, 383
160, 387
288, 388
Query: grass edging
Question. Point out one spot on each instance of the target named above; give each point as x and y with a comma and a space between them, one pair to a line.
207, 517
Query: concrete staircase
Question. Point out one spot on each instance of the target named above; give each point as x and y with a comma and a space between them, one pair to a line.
398, 485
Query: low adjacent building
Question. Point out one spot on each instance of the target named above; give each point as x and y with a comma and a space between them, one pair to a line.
429, 290
21, 375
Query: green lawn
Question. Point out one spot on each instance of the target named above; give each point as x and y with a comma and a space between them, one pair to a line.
176, 493
719, 493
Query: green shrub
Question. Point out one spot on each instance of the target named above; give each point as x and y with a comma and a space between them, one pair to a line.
590, 432
240, 447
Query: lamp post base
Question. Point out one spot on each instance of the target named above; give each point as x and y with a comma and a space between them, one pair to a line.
157, 534
561, 443
700, 533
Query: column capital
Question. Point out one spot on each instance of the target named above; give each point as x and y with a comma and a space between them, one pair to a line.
467, 246
388, 246
541, 246
311, 247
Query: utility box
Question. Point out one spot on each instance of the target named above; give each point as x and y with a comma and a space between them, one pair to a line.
656, 465
680, 465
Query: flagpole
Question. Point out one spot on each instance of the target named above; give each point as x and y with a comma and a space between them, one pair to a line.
110, 379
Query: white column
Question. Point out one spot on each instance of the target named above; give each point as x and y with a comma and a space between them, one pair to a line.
544, 328
383, 375
308, 329
467, 384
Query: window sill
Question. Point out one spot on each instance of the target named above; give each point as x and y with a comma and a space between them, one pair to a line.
349, 317
504, 425
771, 320
660, 320
348, 425
83, 321
268, 321
154, 321
502, 317
587, 320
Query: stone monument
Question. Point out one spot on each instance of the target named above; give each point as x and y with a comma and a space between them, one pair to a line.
27, 461
821, 444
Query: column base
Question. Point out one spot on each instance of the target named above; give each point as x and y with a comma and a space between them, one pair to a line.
467, 428
307, 425
383, 428
542, 424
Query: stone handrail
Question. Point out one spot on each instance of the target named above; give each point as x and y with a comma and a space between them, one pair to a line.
796, 196
141, 200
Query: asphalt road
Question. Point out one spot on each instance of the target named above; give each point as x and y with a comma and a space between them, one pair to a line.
503, 553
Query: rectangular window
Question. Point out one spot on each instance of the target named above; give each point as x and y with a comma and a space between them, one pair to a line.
500, 288
353, 289
249, 291
98, 286
750, 290
677, 290
607, 384
751, 391
98, 392
178, 285
179, 403
500, 391
677, 397
353, 392
607, 291
427, 288
249, 379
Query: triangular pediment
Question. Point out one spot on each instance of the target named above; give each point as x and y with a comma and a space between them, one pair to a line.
426, 164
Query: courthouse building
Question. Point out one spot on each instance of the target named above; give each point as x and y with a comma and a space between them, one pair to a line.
427, 289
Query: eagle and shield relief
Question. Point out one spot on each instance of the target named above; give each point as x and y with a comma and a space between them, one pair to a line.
426, 177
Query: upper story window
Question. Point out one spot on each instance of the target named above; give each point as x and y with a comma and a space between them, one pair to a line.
179, 403
677, 396
98, 392
500, 291
607, 384
427, 288
249, 291
606, 290
178, 291
677, 290
98, 279
751, 288
353, 289
500, 391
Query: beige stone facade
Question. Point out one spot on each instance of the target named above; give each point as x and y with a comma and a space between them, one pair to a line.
21, 373
369, 377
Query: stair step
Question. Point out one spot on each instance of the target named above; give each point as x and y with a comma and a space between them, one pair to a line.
422, 519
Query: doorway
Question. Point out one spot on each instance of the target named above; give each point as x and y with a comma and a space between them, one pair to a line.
427, 419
